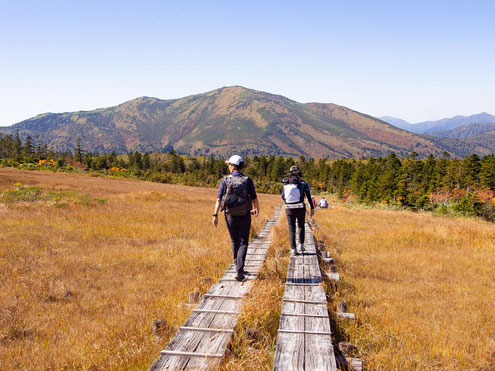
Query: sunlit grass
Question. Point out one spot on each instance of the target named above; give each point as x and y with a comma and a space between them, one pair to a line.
422, 287
82, 284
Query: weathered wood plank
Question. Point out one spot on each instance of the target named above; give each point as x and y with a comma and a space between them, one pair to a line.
304, 338
190, 354
305, 332
206, 329
320, 354
289, 354
215, 311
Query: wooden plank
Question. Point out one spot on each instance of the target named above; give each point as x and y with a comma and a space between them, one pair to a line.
350, 316
232, 279
305, 332
304, 339
234, 297
288, 300
320, 354
215, 311
191, 340
190, 354
289, 353
305, 315
301, 284
206, 329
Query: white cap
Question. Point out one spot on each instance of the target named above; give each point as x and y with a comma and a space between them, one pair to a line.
234, 160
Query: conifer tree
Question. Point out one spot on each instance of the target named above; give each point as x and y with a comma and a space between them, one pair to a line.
487, 172
17, 146
79, 153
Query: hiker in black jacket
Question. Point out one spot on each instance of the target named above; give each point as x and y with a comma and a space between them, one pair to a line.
236, 197
293, 194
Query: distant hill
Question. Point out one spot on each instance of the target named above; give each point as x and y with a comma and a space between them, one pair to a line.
403, 124
431, 127
466, 131
225, 121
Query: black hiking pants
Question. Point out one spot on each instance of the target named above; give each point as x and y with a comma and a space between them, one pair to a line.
292, 216
239, 227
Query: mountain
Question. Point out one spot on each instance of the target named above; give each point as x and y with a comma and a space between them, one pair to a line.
467, 131
403, 124
225, 121
451, 123
467, 139
431, 127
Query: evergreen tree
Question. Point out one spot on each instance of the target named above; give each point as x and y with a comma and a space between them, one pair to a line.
146, 161
79, 153
18, 147
278, 169
471, 166
28, 150
487, 172
388, 178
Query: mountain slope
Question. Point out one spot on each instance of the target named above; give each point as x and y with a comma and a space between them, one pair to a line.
224, 121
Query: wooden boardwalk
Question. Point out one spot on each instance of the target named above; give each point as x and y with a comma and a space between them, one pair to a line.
304, 337
201, 342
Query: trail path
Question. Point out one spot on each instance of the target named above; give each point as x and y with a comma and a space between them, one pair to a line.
201, 342
304, 337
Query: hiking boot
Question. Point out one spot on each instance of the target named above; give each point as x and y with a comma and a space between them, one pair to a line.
240, 277
294, 252
301, 246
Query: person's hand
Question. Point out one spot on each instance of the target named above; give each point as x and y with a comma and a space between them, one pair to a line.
254, 212
215, 221
312, 212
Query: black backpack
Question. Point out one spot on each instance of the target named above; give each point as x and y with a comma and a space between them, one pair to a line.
236, 201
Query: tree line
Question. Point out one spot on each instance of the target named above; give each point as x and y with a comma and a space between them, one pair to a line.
443, 184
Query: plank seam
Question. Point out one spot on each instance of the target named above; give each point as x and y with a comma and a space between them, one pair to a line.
233, 297
206, 329
305, 315
304, 301
199, 310
190, 354
305, 332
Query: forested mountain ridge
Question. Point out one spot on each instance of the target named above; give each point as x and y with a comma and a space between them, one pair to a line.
467, 131
434, 127
468, 139
224, 121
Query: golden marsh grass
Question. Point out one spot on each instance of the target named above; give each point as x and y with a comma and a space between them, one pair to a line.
422, 287
81, 284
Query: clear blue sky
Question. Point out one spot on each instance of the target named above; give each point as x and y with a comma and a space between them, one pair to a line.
416, 60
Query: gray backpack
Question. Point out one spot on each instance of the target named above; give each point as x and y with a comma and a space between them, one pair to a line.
236, 201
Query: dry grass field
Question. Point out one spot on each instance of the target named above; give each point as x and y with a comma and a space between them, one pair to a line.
87, 263
422, 287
